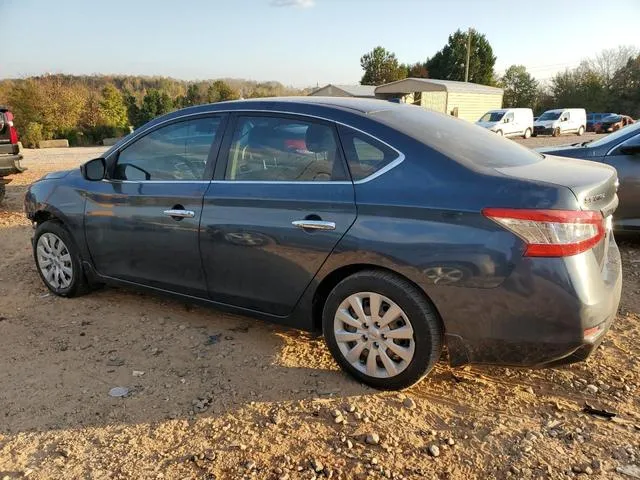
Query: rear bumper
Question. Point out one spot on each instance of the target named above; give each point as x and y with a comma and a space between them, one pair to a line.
550, 311
10, 164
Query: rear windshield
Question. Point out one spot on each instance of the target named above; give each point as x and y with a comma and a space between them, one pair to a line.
492, 117
458, 139
550, 116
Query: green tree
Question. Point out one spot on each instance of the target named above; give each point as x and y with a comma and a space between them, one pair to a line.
194, 96
133, 110
449, 63
625, 88
417, 70
113, 109
520, 88
154, 104
381, 66
580, 87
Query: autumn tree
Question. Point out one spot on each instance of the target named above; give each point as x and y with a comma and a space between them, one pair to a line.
380, 66
625, 88
113, 110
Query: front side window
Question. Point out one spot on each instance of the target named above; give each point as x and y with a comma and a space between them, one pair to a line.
566, 116
365, 155
492, 117
508, 118
175, 152
282, 149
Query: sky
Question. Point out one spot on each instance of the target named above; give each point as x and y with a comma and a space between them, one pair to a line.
297, 42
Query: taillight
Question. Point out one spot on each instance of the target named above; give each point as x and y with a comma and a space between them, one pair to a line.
13, 135
551, 233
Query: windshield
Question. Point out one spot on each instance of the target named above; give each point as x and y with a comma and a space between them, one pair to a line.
617, 135
492, 117
550, 116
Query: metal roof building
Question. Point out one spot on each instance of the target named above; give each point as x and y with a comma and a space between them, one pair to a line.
465, 100
330, 90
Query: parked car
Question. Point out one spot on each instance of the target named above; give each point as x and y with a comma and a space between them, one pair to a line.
614, 122
508, 122
621, 150
9, 149
560, 122
393, 230
594, 119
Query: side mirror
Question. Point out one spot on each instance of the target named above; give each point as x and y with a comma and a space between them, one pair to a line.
630, 149
94, 170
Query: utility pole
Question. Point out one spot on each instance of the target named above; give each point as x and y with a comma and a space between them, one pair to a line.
466, 67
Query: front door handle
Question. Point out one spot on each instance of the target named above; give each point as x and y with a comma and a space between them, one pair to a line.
314, 225
179, 213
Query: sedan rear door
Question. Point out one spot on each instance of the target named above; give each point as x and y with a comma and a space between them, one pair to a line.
280, 201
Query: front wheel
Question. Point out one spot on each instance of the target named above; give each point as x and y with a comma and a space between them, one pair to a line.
556, 132
527, 133
580, 131
58, 260
382, 330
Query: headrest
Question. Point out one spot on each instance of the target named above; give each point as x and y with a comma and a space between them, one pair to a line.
319, 138
259, 136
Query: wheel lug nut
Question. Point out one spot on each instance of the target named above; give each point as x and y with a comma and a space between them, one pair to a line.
375, 344
365, 338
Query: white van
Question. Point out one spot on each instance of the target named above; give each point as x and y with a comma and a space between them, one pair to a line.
508, 121
560, 121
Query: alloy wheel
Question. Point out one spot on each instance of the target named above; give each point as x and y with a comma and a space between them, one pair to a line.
54, 261
374, 334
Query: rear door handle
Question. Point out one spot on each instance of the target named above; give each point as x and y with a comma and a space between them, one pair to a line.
314, 225
179, 213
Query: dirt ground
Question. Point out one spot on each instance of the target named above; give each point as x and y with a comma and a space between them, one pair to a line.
221, 396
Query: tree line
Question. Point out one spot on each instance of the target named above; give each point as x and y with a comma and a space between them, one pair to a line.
87, 109
610, 81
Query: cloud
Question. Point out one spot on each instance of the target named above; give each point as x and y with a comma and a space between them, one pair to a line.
293, 3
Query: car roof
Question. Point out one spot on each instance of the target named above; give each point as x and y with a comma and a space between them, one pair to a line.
360, 105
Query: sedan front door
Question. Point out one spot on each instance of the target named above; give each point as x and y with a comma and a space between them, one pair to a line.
275, 211
142, 223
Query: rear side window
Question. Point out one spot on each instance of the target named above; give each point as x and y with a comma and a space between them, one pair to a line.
365, 155
283, 149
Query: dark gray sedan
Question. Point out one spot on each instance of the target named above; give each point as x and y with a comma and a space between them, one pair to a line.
621, 150
391, 229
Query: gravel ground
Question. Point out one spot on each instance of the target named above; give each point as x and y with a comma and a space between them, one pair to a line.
221, 396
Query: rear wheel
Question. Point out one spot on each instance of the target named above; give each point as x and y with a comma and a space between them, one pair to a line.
556, 132
382, 330
58, 260
499, 133
3, 190
580, 130
527, 133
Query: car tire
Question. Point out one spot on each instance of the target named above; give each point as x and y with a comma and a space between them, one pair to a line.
580, 131
556, 132
58, 260
499, 133
534, 134
3, 190
527, 133
417, 331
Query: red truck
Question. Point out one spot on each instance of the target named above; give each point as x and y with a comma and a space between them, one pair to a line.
9, 149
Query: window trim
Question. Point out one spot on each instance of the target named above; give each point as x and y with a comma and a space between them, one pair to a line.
212, 156
227, 133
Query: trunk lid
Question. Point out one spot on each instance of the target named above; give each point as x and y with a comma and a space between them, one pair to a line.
594, 184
